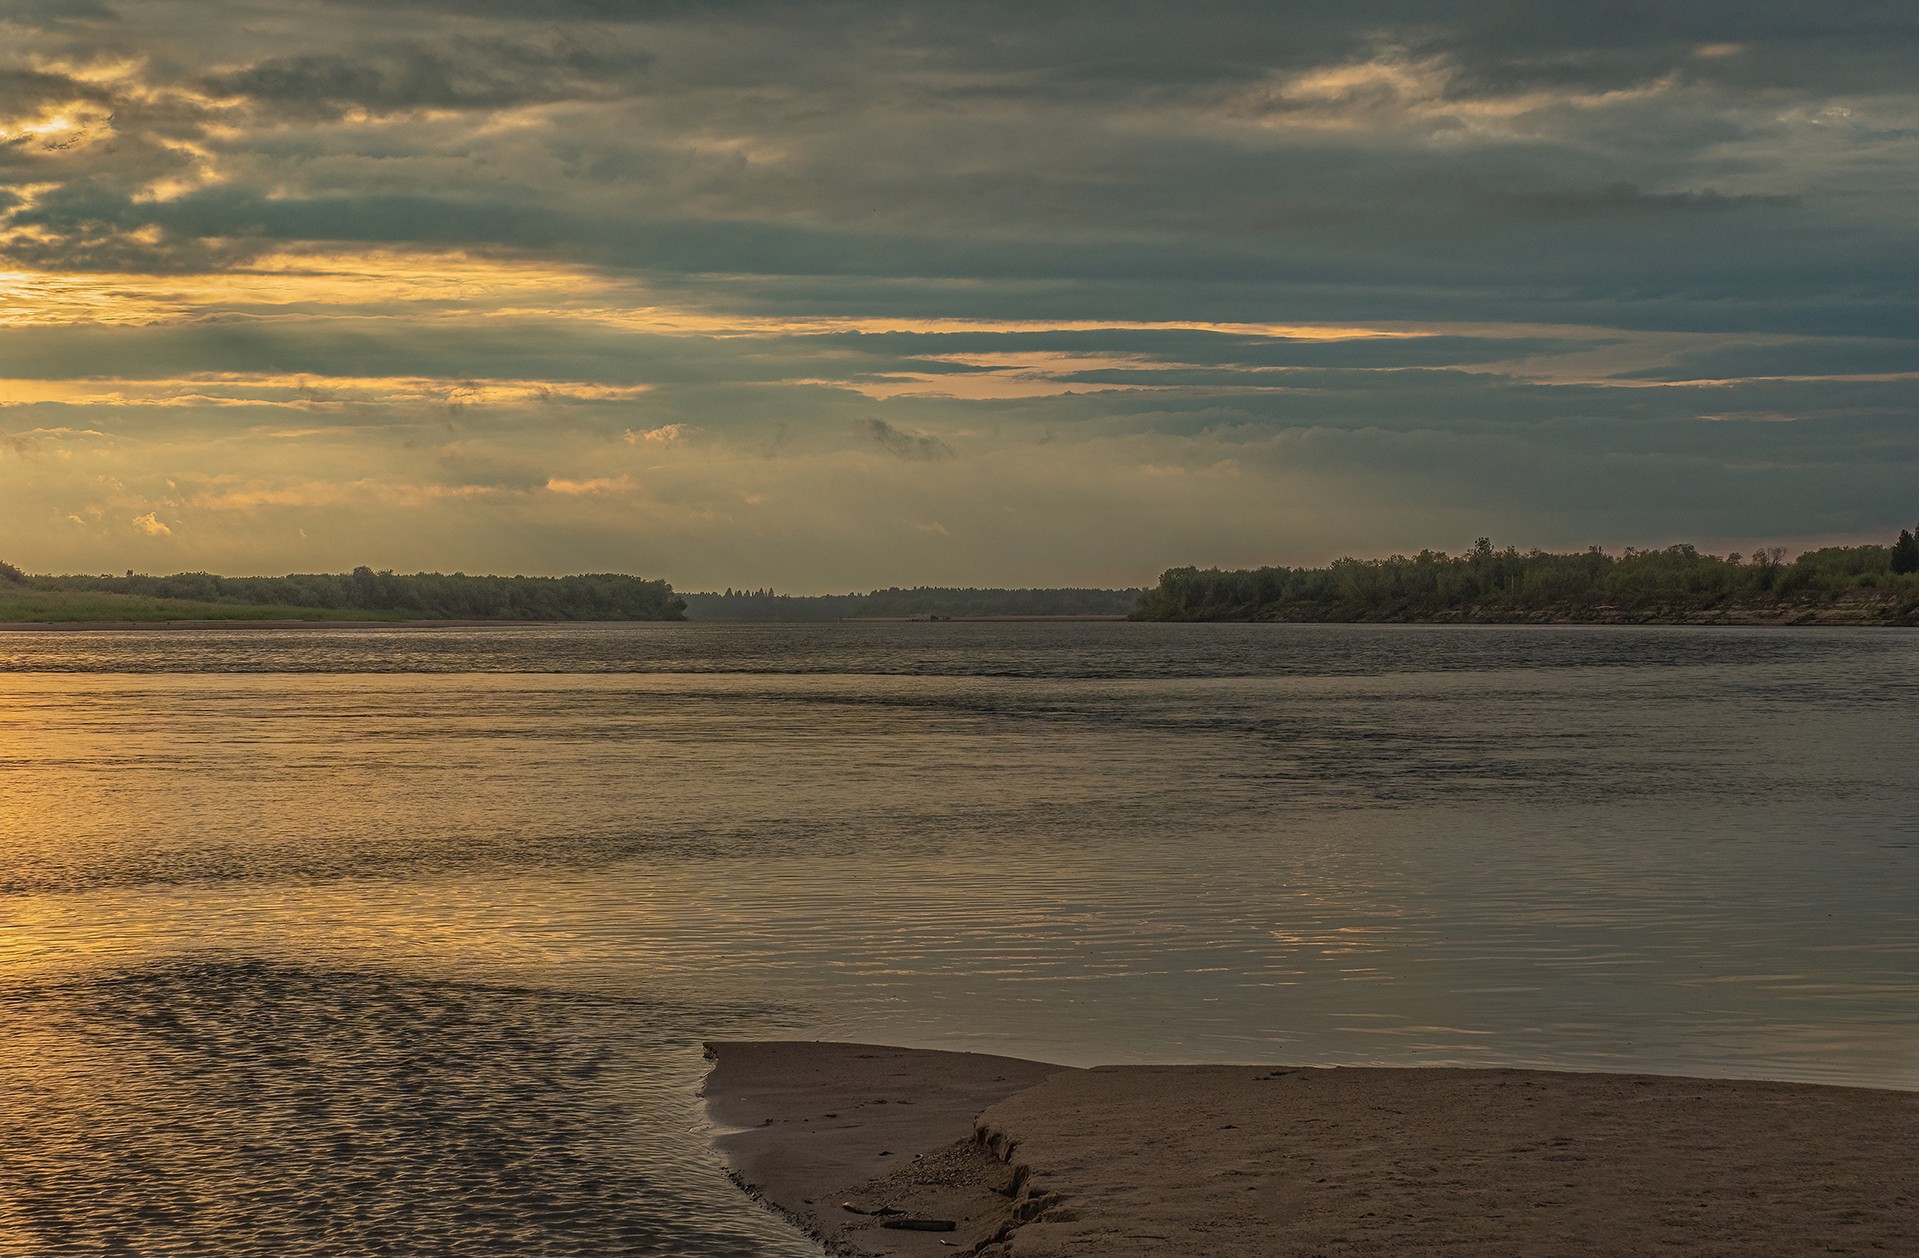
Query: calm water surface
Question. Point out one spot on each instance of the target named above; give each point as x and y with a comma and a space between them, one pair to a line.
386, 941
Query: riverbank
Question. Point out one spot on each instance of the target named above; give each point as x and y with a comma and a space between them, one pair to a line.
1830, 613
91, 626
874, 1150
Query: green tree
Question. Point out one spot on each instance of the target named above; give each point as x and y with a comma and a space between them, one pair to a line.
1905, 552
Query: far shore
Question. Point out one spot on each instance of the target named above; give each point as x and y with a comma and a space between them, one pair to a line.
238, 623
876, 1150
83, 626
1835, 616
933, 617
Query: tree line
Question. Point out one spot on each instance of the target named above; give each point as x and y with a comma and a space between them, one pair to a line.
419, 595
1490, 584
897, 603
766, 606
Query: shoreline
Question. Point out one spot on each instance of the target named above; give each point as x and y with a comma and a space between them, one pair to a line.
1797, 618
121, 626
935, 618
239, 623
870, 1148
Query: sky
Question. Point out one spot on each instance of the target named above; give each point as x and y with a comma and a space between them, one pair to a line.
829, 296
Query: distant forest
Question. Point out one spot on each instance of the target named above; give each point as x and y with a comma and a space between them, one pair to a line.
360, 594
1676, 585
1837, 584
917, 603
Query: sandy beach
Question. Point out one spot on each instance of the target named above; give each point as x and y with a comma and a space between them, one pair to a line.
876, 1150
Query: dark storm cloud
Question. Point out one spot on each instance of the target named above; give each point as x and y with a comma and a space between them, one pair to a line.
231, 211
329, 347
331, 344
1199, 346
1867, 307
906, 445
1499, 47
1614, 200
501, 349
898, 149
55, 12
1844, 423
1835, 356
1482, 273
455, 74
23, 90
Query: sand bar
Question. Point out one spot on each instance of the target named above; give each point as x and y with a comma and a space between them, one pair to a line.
807, 1126
1238, 1160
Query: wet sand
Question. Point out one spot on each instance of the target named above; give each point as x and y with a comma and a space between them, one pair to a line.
1028, 1160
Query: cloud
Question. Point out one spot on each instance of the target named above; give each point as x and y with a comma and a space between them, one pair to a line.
1824, 356
151, 525
664, 435
458, 73
595, 485
904, 445
1617, 199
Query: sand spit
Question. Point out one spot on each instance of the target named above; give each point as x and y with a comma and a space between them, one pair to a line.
1236, 1160
806, 1127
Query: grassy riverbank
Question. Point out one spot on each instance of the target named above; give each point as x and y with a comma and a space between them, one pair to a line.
361, 595
25, 605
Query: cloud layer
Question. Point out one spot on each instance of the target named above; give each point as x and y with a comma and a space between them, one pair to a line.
841, 295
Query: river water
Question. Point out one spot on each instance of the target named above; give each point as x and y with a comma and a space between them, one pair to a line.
405, 941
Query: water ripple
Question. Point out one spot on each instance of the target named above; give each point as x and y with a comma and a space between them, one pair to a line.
260, 1109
